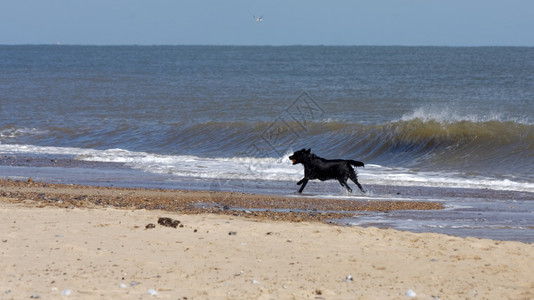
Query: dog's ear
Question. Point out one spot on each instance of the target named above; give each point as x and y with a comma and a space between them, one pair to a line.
309, 150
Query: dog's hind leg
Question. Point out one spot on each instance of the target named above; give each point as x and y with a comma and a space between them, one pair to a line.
304, 181
344, 184
354, 178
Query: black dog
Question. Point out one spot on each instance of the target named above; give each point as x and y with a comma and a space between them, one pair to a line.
324, 169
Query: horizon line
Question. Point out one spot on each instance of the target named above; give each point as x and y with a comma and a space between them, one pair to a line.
267, 45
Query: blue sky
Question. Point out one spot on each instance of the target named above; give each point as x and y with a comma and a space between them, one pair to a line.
290, 22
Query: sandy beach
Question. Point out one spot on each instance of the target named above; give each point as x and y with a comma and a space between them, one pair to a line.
60, 241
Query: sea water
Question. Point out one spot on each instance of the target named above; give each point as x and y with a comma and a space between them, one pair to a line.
431, 119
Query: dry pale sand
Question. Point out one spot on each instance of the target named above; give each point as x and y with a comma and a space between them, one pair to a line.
108, 253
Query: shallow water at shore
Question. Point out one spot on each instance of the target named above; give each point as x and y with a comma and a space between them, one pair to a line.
482, 213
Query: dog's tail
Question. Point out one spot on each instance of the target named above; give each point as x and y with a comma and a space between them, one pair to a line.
356, 163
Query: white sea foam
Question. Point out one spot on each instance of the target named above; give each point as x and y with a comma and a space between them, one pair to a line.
16, 132
250, 168
449, 115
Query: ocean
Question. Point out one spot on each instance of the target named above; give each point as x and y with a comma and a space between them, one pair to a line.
430, 123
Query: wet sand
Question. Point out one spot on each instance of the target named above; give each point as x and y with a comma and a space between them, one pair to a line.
93, 242
194, 202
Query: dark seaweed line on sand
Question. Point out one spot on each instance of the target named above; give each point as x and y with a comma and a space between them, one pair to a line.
193, 202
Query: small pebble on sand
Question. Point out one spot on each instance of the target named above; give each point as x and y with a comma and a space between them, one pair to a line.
410, 294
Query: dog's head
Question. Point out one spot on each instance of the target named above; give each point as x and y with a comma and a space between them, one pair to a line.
300, 156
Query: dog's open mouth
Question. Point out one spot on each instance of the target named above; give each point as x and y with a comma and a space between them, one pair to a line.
294, 161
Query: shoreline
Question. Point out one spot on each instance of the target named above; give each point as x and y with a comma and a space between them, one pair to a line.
272, 207
479, 213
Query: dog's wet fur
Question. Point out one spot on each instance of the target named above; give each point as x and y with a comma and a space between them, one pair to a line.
316, 167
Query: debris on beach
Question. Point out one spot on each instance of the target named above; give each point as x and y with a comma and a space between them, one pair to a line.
152, 292
410, 294
168, 222
232, 233
150, 226
349, 278
66, 292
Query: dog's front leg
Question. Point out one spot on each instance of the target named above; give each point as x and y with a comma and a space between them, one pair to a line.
304, 181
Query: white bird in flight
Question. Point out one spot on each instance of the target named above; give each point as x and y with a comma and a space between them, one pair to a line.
260, 19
